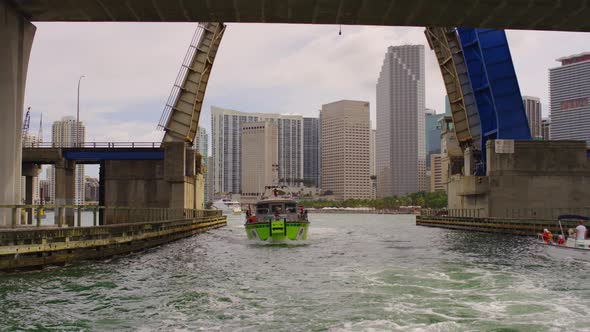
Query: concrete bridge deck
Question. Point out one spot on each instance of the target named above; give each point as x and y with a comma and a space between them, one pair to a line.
569, 15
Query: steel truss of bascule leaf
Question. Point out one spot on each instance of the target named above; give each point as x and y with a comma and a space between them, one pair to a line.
180, 118
481, 84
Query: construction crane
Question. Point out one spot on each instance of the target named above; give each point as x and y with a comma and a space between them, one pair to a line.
26, 124
40, 135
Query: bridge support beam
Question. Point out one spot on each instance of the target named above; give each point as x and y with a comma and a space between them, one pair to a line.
65, 191
30, 172
16, 39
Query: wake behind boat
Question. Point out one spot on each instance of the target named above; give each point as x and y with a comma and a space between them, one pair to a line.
575, 246
277, 218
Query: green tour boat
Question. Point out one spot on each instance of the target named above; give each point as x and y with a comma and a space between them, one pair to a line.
277, 218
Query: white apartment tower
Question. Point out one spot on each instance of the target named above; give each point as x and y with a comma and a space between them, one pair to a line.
569, 95
66, 133
227, 147
532, 107
259, 154
345, 159
400, 139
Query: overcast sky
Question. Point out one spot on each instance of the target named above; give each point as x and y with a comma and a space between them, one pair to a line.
130, 69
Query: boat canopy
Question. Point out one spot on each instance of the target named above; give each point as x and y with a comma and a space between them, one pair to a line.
573, 216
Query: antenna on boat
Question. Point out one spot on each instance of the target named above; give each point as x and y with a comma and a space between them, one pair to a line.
275, 174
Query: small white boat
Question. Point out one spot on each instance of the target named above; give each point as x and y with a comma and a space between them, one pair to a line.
562, 247
227, 206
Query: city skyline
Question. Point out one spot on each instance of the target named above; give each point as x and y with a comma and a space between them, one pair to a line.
123, 101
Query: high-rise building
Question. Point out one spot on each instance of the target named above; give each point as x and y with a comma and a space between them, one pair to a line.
210, 192
91, 189
569, 91
311, 151
259, 155
432, 134
66, 133
345, 134
372, 152
202, 147
546, 129
532, 107
447, 106
400, 139
227, 146
372, 164
436, 176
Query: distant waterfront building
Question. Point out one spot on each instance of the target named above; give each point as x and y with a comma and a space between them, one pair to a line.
311, 151
345, 161
91, 189
546, 129
532, 107
44, 188
50, 176
259, 154
227, 147
66, 133
569, 94
202, 147
436, 174
400, 139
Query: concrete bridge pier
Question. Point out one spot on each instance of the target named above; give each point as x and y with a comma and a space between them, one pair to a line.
30, 172
16, 39
65, 189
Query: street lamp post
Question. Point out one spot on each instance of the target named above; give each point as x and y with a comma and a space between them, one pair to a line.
78, 114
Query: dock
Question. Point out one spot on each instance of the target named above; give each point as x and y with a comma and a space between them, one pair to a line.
515, 226
34, 246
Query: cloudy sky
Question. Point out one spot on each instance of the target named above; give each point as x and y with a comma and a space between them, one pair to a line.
130, 69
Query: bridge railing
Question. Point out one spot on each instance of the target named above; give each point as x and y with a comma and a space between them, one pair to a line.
14, 216
93, 145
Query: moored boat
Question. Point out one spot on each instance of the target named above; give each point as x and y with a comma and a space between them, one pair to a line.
570, 247
277, 218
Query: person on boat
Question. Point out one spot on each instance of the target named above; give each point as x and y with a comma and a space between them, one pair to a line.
560, 240
547, 236
581, 230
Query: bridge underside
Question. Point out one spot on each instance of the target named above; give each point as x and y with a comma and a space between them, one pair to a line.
571, 15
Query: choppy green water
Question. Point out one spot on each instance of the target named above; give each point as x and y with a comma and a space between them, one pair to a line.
356, 273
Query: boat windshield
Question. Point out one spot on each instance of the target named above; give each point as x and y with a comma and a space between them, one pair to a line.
262, 208
291, 207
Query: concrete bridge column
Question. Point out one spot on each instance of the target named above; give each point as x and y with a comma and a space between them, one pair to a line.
16, 39
65, 189
30, 172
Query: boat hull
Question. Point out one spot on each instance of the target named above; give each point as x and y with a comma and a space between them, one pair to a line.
277, 231
565, 252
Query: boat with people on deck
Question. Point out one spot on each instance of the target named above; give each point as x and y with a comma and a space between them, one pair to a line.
276, 217
576, 245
